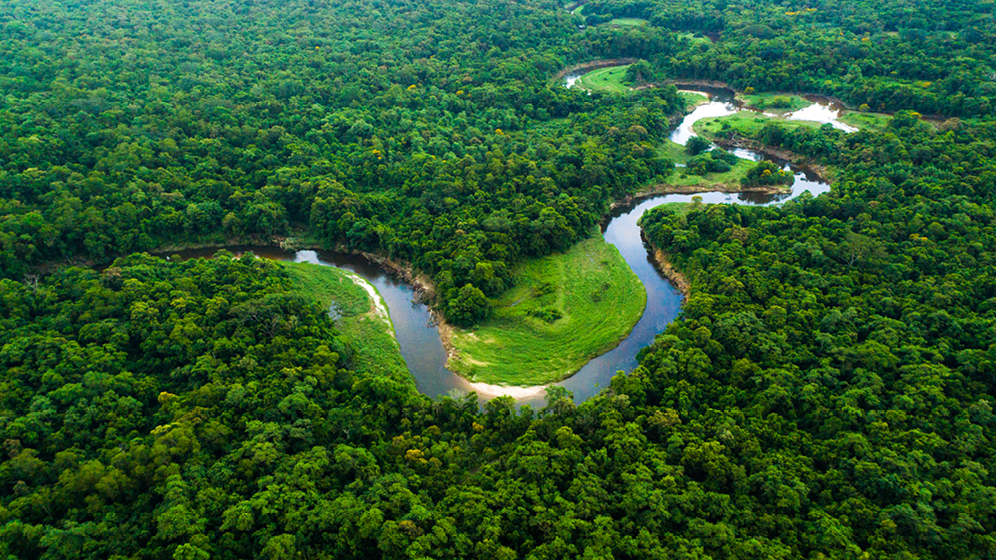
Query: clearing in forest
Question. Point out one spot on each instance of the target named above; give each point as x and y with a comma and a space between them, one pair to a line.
627, 22
610, 80
564, 310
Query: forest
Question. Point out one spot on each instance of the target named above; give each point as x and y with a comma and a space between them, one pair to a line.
827, 391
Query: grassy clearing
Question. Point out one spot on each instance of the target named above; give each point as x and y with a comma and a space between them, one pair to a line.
694, 39
775, 102
745, 123
564, 310
693, 99
579, 10
606, 79
627, 22
366, 330
874, 122
749, 123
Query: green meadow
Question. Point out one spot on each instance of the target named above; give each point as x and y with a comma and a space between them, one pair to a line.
606, 79
564, 310
366, 328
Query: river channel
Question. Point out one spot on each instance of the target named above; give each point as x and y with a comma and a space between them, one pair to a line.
419, 339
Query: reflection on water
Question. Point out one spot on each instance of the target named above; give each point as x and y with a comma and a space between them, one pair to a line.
720, 105
824, 111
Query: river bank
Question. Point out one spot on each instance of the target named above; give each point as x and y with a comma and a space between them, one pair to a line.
664, 266
593, 65
662, 189
821, 172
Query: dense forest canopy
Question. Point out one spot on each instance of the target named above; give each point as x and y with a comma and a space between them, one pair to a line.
828, 391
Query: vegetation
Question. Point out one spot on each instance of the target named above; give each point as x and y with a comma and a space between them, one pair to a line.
609, 80
693, 99
371, 144
882, 54
775, 102
848, 309
875, 122
694, 38
767, 174
624, 22
364, 324
703, 171
564, 310
745, 123
827, 391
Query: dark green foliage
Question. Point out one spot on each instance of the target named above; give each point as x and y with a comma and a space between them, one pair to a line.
861, 318
696, 145
827, 392
713, 161
766, 174
432, 139
934, 57
467, 306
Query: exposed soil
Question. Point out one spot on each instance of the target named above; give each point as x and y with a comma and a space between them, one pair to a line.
662, 264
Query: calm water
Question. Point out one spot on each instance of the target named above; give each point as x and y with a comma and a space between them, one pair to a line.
419, 338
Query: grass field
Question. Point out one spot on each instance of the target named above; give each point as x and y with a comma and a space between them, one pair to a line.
680, 208
365, 328
874, 122
746, 123
605, 79
627, 22
775, 103
693, 99
564, 310
579, 10
694, 39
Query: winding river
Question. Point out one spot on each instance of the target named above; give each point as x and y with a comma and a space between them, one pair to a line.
419, 338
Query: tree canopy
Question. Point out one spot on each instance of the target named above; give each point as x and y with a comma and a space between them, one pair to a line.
827, 391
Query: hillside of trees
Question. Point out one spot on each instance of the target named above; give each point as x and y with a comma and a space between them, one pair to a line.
826, 393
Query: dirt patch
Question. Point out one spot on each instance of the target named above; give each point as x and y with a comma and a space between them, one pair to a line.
488, 390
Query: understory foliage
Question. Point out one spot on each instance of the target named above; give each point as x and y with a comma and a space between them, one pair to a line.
827, 392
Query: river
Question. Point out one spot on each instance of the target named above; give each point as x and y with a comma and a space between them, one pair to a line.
419, 339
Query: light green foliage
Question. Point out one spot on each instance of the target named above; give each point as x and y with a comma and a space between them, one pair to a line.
365, 327
745, 123
627, 22
694, 39
608, 80
564, 310
689, 177
693, 99
874, 122
775, 102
